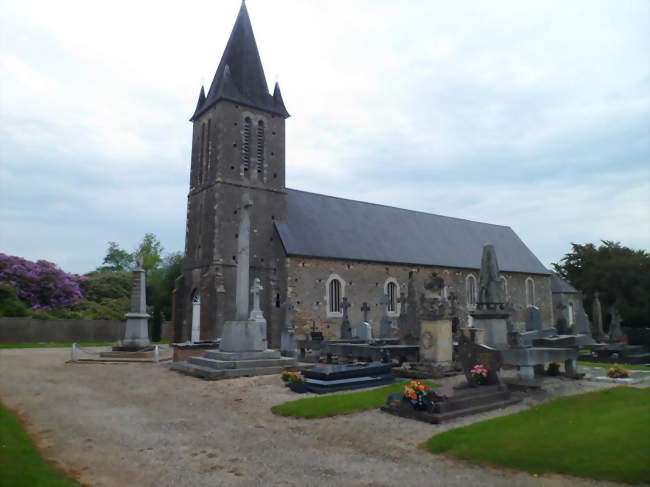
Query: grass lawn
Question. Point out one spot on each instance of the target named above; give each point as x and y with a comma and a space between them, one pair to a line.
67, 345
20, 463
603, 435
342, 403
607, 366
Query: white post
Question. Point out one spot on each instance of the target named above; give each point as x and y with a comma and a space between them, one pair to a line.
73, 353
156, 354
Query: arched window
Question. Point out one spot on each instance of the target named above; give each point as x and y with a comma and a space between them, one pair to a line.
571, 314
530, 292
260, 146
246, 145
470, 290
335, 290
335, 296
391, 290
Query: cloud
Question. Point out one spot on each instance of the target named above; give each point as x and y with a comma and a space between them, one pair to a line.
529, 114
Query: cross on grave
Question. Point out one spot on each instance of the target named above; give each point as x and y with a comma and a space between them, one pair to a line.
256, 312
364, 309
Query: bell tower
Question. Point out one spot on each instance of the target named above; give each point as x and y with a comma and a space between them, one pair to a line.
238, 147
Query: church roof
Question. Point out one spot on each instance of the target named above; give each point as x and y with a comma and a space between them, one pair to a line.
336, 228
559, 285
240, 76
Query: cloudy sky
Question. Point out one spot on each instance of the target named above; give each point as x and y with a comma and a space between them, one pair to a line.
531, 114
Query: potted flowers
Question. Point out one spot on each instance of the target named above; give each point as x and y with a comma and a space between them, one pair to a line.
416, 393
294, 381
478, 375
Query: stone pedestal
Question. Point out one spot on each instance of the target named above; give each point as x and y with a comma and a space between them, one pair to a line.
475, 335
137, 330
436, 341
243, 336
495, 325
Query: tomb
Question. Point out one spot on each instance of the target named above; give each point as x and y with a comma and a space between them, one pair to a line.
332, 378
470, 397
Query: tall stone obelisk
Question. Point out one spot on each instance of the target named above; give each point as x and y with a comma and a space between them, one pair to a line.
136, 335
248, 332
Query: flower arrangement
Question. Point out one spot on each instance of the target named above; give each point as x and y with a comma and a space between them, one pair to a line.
618, 372
479, 374
416, 393
290, 377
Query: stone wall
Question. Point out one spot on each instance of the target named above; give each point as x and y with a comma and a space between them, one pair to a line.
307, 288
28, 330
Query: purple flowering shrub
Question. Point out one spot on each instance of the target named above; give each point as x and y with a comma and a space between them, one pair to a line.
41, 285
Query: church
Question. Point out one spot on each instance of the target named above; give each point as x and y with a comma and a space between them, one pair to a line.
314, 250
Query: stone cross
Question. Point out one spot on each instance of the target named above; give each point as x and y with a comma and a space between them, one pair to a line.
256, 312
364, 309
346, 332
243, 258
385, 328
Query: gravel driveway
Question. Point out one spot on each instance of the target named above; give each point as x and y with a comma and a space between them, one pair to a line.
141, 424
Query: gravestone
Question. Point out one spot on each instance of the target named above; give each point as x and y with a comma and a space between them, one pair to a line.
436, 343
472, 354
403, 320
597, 319
385, 329
582, 325
136, 335
346, 331
615, 331
364, 309
363, 331
490, 313
288, 346
533, 319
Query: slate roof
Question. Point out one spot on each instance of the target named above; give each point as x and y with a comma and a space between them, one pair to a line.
329, 227
240, 75
559, 285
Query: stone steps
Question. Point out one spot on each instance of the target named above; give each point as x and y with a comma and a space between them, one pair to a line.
209, 373
211, 363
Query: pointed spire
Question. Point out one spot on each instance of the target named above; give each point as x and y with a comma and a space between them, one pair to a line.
199, 104
278, 102
240, 76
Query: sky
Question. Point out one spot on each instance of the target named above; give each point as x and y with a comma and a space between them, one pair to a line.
534, 114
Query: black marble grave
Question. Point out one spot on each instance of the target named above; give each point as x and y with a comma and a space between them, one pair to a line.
344, 377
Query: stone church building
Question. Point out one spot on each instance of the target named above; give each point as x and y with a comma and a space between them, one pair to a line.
314, 249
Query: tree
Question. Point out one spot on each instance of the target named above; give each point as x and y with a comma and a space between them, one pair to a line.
619, 274
150, 250
160, 283
116, 259
41, 285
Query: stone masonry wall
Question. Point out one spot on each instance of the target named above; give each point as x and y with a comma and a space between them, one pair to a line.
364, 281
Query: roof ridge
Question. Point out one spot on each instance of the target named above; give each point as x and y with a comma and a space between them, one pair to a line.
401, 209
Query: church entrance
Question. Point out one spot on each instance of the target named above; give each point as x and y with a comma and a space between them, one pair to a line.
196, 316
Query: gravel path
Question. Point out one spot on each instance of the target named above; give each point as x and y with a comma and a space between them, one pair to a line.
144, 425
